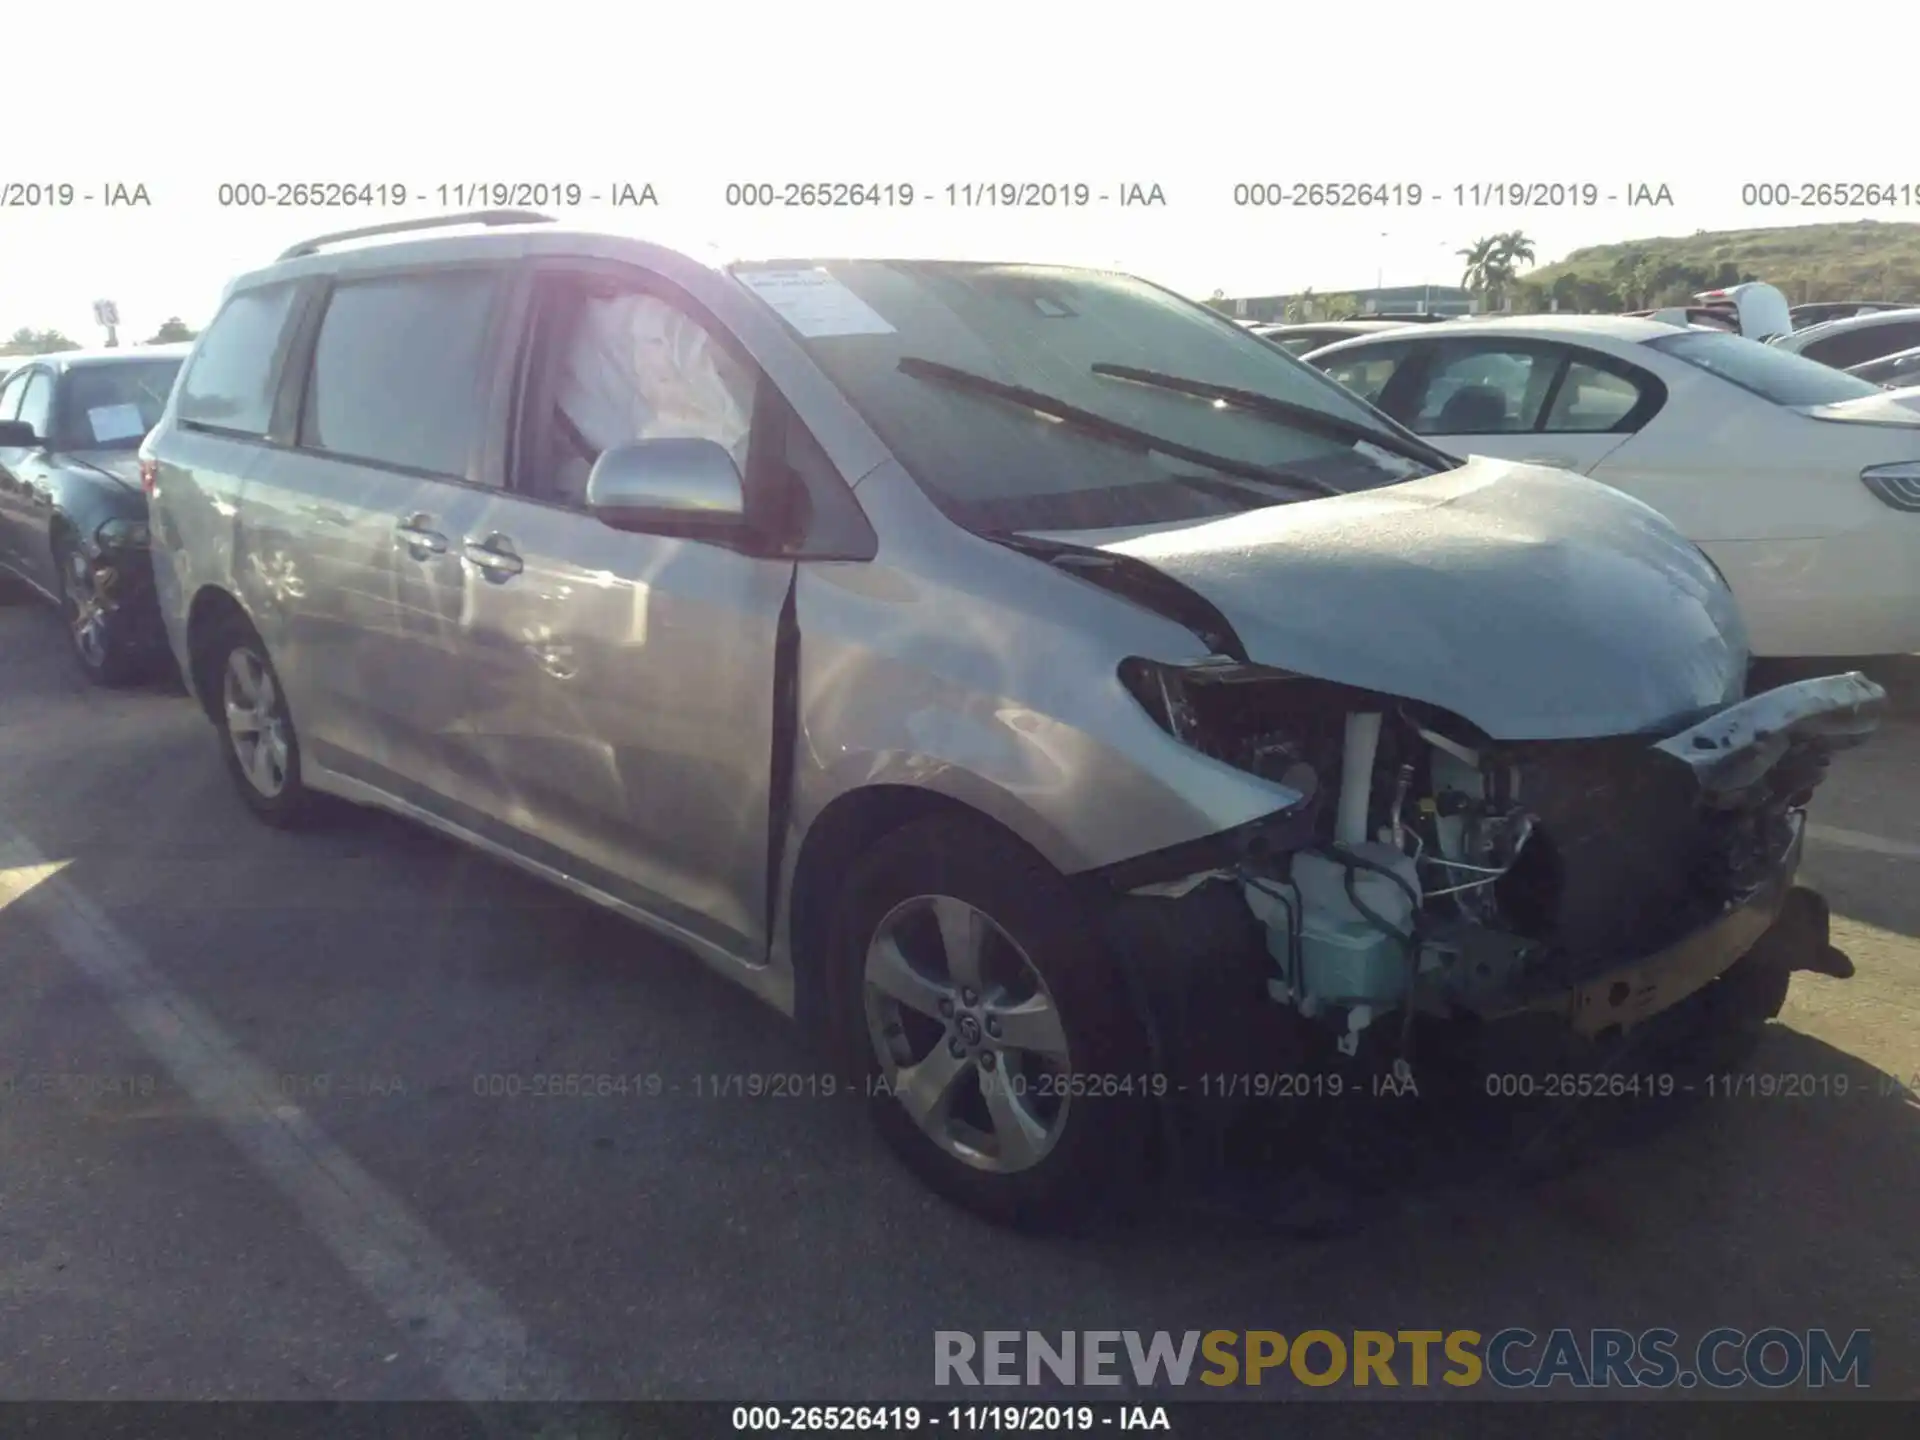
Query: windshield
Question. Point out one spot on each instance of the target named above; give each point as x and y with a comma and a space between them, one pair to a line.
996, 462
112, 406
1771, 373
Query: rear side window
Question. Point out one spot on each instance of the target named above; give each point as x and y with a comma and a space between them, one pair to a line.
396, 370
230, 380
1591, 400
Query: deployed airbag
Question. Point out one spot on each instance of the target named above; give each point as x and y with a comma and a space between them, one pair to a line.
639, 369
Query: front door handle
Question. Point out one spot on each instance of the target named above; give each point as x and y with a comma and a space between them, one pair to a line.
423, 542
494, 557
1559, 462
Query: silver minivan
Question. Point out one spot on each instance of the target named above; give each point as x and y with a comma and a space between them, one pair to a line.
1071, 708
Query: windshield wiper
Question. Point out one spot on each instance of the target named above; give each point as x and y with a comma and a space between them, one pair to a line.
1094, 423
1130, 576
1304, 416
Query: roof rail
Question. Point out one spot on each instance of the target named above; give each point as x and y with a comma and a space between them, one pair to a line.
430, 222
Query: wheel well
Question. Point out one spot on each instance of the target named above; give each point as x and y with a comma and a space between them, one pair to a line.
213, 610
844, 831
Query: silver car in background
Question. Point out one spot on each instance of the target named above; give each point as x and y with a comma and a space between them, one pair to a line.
1049, 693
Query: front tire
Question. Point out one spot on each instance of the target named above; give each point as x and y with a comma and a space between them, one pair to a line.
970, 997
258, 741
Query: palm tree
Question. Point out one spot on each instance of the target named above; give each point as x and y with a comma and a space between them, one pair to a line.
1480, 257
1514, 248
1494, 263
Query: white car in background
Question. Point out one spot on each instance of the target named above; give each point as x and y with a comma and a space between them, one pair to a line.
1801, 482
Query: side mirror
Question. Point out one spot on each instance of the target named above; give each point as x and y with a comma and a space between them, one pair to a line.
685, 486
17, 435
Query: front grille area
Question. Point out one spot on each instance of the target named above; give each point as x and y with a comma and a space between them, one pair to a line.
1627, 860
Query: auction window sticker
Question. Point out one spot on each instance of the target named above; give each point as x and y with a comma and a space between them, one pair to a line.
815, 304
115, 422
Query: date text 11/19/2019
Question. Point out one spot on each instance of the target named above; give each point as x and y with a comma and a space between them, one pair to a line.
960, 1419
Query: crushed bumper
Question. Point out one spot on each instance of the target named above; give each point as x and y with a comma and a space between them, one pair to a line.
1636, 990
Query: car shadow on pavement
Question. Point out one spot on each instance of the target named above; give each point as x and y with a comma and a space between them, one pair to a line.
1784, 1199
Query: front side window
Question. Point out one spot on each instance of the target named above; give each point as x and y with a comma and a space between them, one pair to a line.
1054, 438
113, 406
1483, 390
11, 389
397, 368
1365, 372
36, 403
230, 379
618, 365
1765, 370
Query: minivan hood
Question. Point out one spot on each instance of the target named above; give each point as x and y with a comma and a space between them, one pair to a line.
1534, 603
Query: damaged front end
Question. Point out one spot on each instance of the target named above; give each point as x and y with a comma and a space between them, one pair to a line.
1430, 873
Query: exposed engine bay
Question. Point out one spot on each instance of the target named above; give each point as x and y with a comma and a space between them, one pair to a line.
1450, 873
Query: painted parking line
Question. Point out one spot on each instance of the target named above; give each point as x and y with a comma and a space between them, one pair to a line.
482, 1352
1861, 840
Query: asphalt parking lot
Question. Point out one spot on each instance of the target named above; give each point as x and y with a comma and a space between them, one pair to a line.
245, 1150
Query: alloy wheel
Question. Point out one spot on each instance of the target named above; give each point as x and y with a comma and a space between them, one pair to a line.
256, 722
86, 615
969, 1038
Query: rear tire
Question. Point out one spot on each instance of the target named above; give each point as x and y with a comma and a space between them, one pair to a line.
971, 1000
96, 633
258, 741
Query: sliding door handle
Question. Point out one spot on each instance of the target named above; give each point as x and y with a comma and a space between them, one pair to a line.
423, 542
494, 557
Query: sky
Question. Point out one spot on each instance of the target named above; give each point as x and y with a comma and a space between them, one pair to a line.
1195, 99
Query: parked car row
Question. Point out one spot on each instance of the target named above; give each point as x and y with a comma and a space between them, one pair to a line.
1045, 690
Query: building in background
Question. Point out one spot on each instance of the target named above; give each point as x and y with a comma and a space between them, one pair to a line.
1358, 304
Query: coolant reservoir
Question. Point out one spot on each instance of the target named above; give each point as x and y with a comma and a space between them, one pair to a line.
1346, 958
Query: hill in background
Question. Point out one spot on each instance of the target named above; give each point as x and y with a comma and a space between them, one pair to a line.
1859, 260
